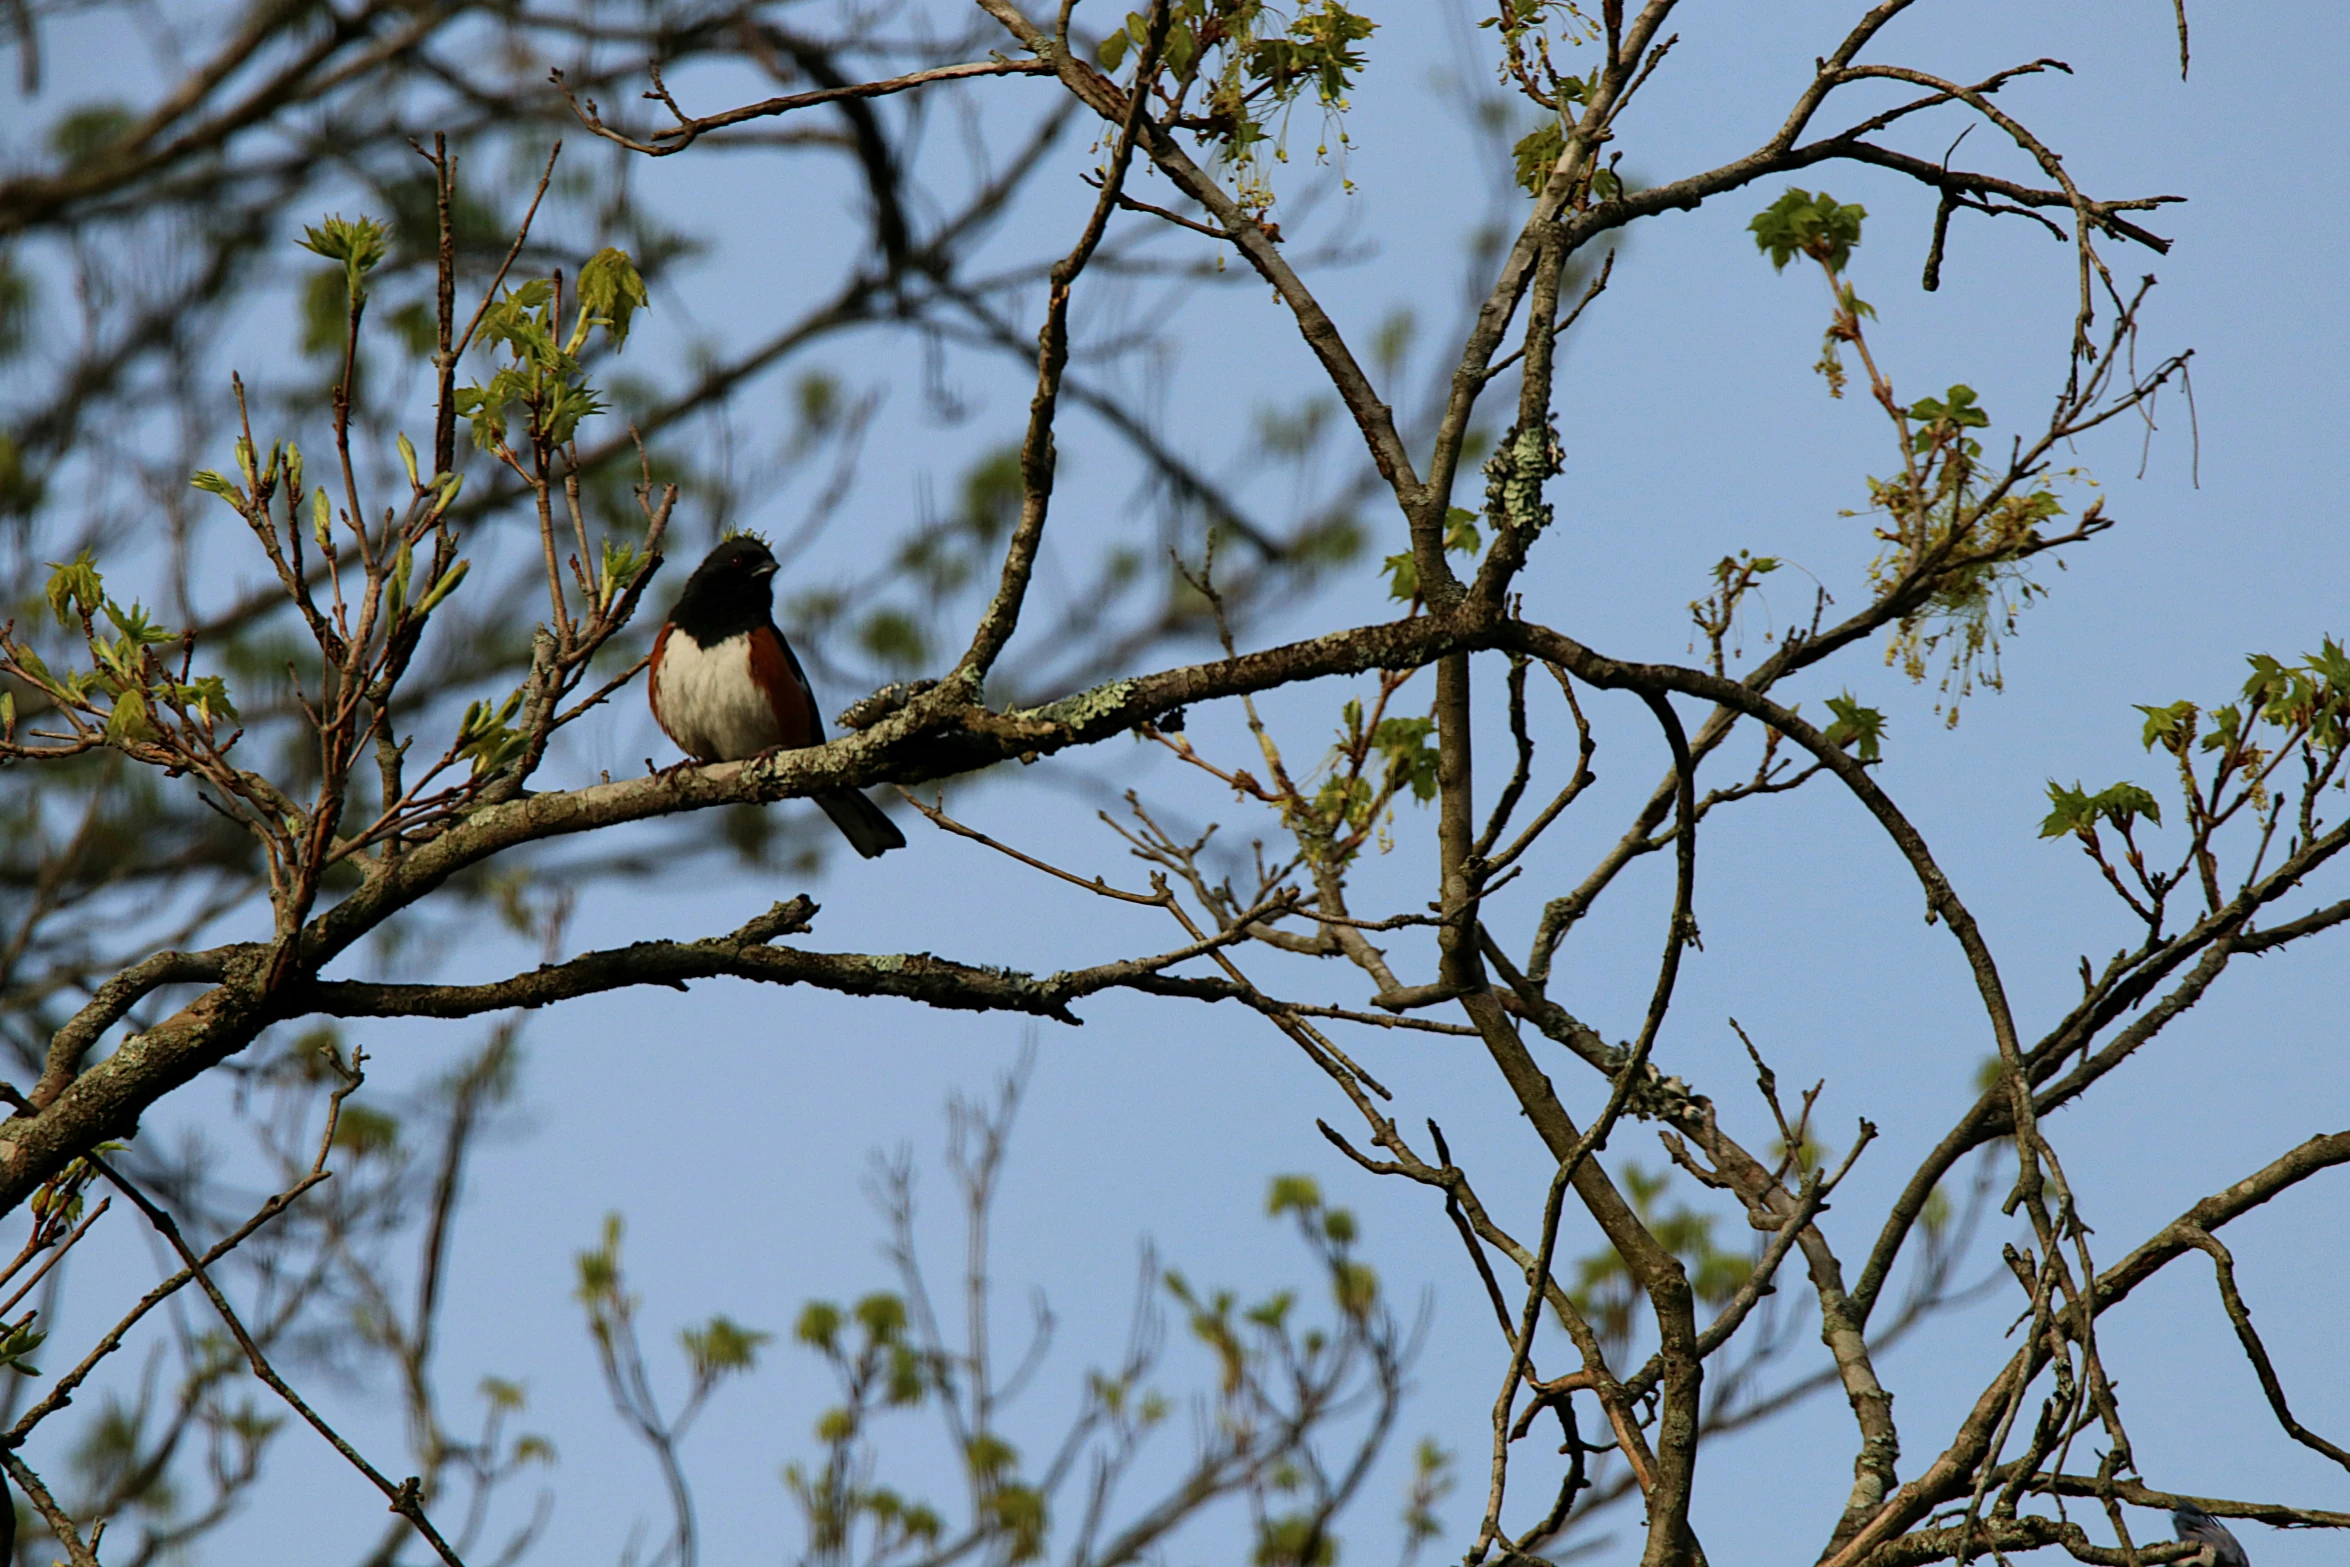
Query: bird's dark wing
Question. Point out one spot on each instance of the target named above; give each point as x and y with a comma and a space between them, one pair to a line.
778, 672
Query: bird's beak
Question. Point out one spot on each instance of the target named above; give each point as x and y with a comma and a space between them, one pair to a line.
768, 570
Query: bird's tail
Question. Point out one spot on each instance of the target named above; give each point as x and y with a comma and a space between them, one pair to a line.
868, 830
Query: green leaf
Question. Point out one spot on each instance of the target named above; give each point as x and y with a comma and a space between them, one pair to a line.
1182, 47
1537, 154
1411, 761
1354, 1286
2077, 811
503, 1395
360, 244
75, 589
86, 136
366, 1133
1293, 1540
208, 695
1856, 728
990, 1455
18, 1342
2125, 802
2172, 727
819, 1325
907, 1382
1403, 576
611, 291
443, 588
619, 568
1956, 406
1799, 223
882, 1316
894, 638
130, 720
1112, 50
485, 737
1293, 1193
722, 1347
2330, 664
134, 625
1273, 1311
2069, 811
1020, 1514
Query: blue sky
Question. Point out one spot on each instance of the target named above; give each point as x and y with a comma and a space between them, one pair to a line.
733, 1125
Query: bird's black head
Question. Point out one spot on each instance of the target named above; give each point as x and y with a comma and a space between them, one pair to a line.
729, 592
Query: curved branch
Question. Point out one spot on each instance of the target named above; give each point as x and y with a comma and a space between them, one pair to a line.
107, 1008
2224, 1267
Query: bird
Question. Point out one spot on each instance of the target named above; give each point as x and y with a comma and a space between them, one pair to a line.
725, 685
2221, 1549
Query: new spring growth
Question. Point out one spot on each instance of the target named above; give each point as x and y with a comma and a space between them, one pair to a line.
358, 243
443, 588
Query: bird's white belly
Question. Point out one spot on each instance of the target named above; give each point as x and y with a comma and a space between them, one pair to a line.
709, 704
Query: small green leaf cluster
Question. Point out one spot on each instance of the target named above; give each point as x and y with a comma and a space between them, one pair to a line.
18, 1341
1317, 46
359, 244
366, 1133
1528, 29
2284, 707
1331, 1232
430, 501
1802, 224
872, 1355
1856, 728
1940, 419
1252, 63
542, 378
486, 735
128, 690
722, 1347
2309, 695
1248, 1342
880, 1345
1535, 155
1294, 1540
1351, 799
1460, 538
2077, 811
599, 1288
86, 137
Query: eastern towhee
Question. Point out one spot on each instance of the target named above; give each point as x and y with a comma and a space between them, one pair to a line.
725, 685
